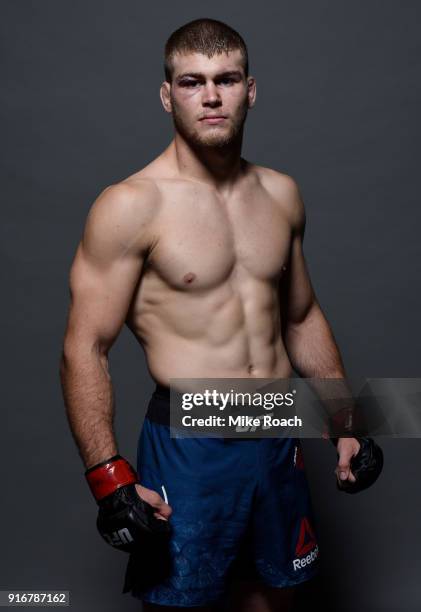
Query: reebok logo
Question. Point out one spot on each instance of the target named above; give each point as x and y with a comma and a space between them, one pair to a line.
306, 550
300, 563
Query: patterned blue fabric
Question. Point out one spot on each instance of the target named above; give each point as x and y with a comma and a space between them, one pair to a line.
238, 506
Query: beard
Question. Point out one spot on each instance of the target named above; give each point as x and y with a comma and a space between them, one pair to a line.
214, 137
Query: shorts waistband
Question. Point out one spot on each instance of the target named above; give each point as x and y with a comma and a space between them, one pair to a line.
159, 405
161, 392
159, 410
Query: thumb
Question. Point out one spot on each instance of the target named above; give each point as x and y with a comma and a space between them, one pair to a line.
162, 509
344, 466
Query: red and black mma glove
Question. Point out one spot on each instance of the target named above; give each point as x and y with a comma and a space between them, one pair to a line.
366, 466
125, 520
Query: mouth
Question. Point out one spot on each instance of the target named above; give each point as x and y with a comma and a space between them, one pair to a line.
213, 119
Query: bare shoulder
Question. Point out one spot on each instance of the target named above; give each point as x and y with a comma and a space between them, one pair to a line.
132, 199
283, 189
122, 214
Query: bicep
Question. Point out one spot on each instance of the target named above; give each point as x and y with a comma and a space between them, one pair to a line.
297, 295
106, 269
100, 297
296, 292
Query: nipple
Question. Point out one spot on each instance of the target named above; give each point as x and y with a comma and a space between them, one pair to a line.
189, 277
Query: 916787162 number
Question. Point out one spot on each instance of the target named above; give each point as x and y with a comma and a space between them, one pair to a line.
34, 598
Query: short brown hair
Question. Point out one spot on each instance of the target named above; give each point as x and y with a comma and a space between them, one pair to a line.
207, 36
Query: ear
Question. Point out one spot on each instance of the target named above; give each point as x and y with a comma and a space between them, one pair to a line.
251, 91
164, 94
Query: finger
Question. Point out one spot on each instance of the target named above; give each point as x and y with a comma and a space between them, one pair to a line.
163, 511
160, 505
341, 475
343, 468
350, 477
158, 516
155, 500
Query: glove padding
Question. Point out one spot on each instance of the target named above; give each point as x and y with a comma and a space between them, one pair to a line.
128, 523
366, 467
125, 520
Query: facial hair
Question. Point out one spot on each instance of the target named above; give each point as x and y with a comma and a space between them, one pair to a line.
213, 138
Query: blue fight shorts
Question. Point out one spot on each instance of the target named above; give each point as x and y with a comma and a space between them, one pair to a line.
241, 509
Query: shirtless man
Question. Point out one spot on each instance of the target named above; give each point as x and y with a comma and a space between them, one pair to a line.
200, 254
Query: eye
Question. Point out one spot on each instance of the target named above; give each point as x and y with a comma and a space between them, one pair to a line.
227, 81
189, 83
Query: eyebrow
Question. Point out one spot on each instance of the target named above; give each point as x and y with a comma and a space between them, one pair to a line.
200, 75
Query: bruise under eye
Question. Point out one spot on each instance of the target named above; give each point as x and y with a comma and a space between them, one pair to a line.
229, 78
188, 83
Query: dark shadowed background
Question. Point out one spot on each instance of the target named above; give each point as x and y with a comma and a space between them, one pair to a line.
338, 109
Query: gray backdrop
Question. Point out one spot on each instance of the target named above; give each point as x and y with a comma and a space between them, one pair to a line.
338, 109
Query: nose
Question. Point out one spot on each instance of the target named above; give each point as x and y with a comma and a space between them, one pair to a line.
211, 97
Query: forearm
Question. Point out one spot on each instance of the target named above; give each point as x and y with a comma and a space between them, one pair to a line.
88, 397
314, 354
311, 347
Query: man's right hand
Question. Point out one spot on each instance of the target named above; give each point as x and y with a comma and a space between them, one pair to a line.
125, 520
163, 511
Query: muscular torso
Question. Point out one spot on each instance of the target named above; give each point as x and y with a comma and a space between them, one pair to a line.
207, 302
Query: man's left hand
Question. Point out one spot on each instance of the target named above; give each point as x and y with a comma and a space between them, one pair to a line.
347, 448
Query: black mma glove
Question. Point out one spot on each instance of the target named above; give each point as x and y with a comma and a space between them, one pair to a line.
124, 520
366, 466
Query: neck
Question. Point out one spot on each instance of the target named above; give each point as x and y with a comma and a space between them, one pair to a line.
218, 166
